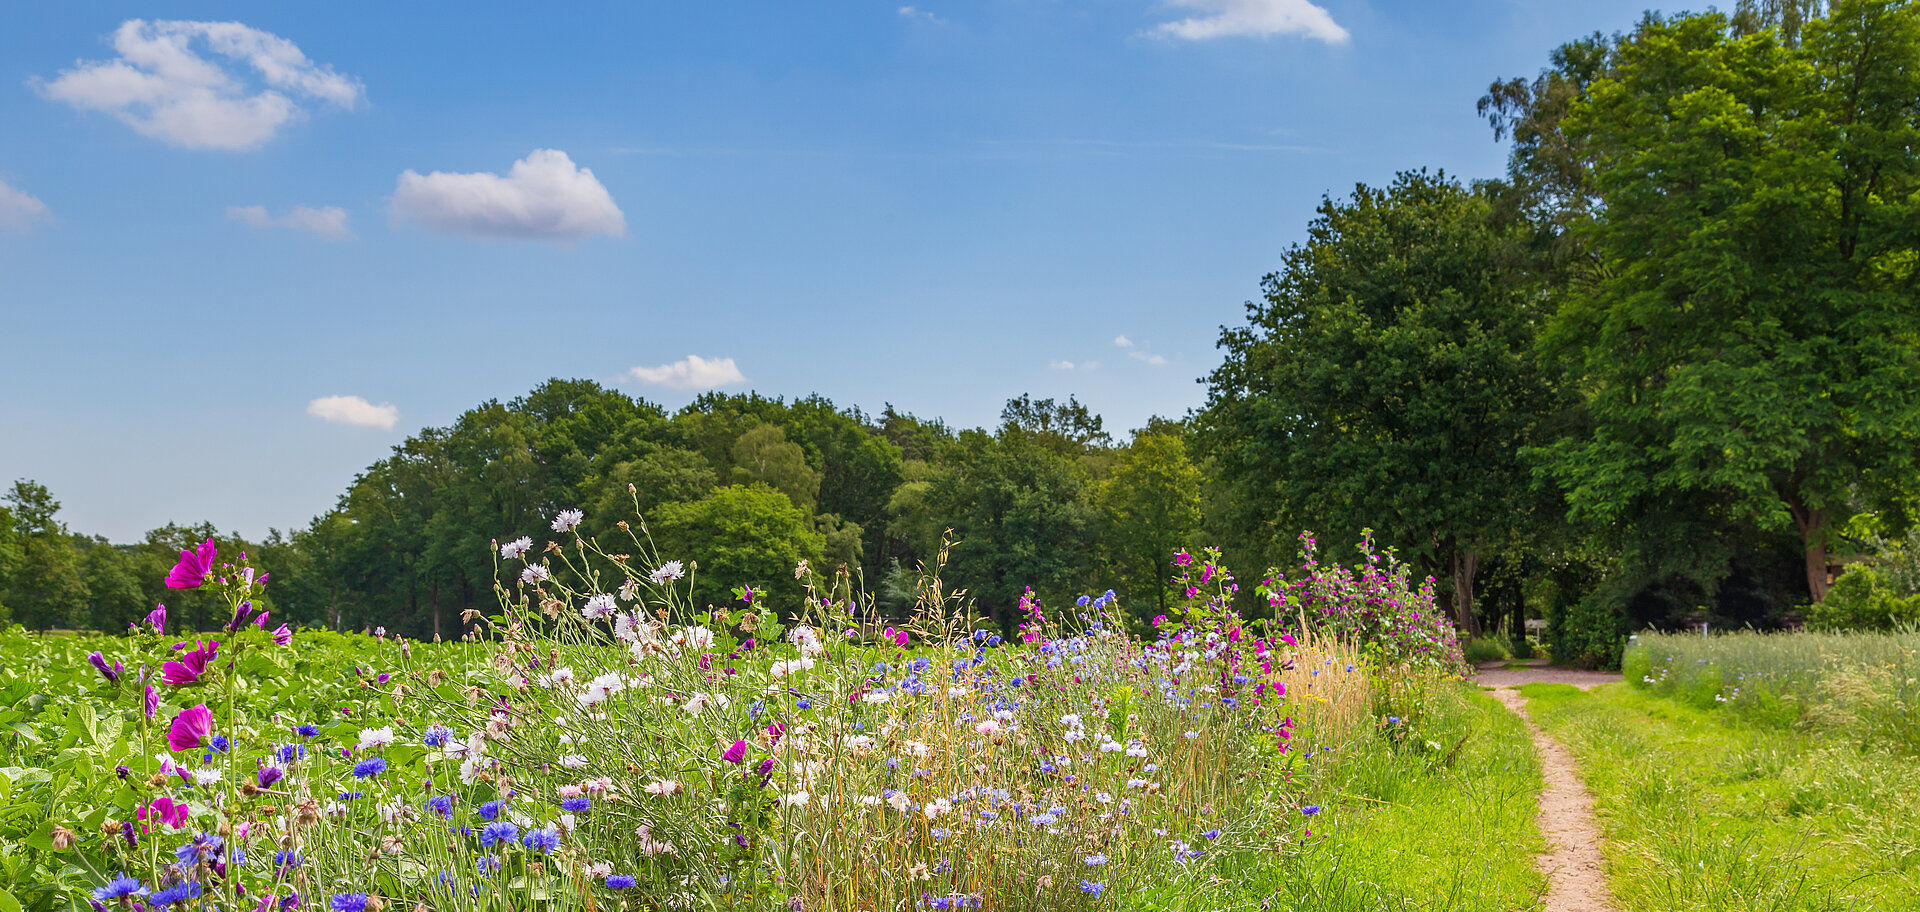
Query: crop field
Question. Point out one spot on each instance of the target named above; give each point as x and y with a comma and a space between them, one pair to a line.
604, 744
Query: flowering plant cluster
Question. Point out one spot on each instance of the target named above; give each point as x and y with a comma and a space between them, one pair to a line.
610, 744
1373, 603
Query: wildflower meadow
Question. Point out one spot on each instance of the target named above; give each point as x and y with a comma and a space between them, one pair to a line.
606, 742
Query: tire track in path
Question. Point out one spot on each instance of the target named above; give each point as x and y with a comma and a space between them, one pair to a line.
1575, 869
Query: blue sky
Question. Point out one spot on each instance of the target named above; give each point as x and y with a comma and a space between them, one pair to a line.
216, 269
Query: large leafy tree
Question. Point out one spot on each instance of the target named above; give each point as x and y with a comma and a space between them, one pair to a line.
740, 535
1148, 507
1747, 343
1386, 381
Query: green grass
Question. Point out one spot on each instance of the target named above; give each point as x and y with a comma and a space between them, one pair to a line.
1708, 810
1436, 819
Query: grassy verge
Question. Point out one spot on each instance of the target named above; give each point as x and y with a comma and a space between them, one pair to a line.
1710, 811
1431, 816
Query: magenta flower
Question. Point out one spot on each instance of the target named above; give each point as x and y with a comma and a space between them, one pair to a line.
153, 700
190, 727
283, 635
190, 666
191, 572
165, 810
157, 618
736, 753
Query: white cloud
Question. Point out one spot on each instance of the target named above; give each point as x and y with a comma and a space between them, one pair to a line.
1257, 18
1154, 360
1061, 365
329, 222
910, 12
355, 411
162, 87
545, 196
694, 372
18, 210
1122, 342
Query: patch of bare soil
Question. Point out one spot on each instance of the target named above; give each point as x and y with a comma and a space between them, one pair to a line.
1576, 873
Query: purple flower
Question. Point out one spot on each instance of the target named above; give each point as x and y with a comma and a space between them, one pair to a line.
576, 805
491, 810
1092, 886
368, 768
190, 727
157, 618
1310, 810
268, 775
191, 572
736, 753
243, 615
620, 881
497, 832
176, 893
442, 805
542, 840
349, 902
111, 673
118, 887
153, 700
282, 635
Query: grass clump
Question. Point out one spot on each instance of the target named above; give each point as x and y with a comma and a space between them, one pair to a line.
1486, 649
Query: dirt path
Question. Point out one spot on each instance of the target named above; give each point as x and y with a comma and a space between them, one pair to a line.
1576, 873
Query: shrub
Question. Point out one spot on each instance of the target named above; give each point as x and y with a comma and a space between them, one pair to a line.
1376, 606
1590, 633
1866, 598
1485, 649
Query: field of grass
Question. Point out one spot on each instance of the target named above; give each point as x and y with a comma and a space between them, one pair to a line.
1711, 810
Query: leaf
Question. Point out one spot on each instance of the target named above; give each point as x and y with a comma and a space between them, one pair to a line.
8, 903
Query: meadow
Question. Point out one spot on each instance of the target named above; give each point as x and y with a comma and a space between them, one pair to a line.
604, 743
1752, 771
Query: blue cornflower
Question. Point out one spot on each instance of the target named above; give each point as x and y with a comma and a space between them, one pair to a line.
352, 796
285, 860
488, 864
1393, 720
1211, 834
576, 805
620, 881
349, 902
496, 832
372, 766
1310, 810
803, 703
542, 840
204, 847
291, 752
307, 731
220, 744
167, 897
491, 810
1092, 886
1083, 600
1096, 859
118, 887
442, 805
940, 832
436, 735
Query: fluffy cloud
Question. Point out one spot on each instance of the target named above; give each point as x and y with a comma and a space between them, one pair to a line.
1258, 18
329, 222
164, 88
694, 372
353, 410
18, 211
1061, 365
1154, 360
544, 196
910, 12
1122, 342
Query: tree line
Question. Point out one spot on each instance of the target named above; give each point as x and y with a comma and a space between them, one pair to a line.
1665, 369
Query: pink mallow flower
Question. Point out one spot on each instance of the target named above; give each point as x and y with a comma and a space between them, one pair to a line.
165, 810
283, 635
191, 572
736, 753
189, 728
190, 666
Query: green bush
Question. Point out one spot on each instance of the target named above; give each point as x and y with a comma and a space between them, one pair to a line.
1485, 649
1865, 598
1590, 633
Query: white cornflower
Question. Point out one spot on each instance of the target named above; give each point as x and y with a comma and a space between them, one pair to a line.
573, 762
375, 738
629, 590
1070, 720
598, 607
861, 744
936, 807
794, 799
918, 748
668, 572
1074, 734
1136, 749
567, 519
206, 777
899, 801
660, 788
516, 548
697, 639
800, 569
535, 573
988, 726
790, 666
697, 704
876, 698
623, 627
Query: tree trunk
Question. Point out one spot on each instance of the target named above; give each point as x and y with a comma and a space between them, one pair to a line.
1465, 564
1812, 522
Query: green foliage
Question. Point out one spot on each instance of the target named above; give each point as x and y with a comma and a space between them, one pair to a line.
1590, 632
1484, 649
741, 536
1866, 598
1746, 340
1387, 377
1148, 507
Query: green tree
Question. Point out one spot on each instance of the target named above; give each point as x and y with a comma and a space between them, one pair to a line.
763, 455
1748, 341
740, 535
1148, 508
1387, 381
48, 586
